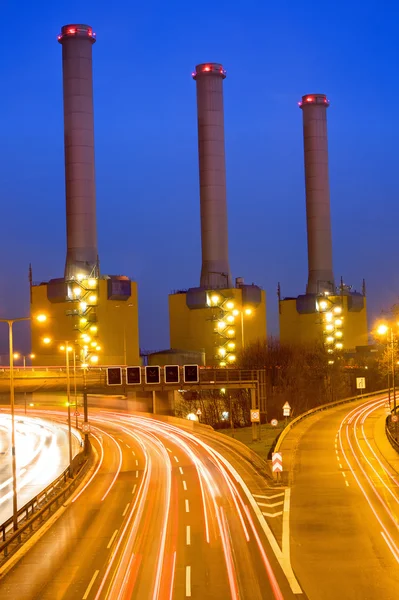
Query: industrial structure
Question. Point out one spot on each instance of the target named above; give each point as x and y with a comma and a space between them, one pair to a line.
334, 315
215, 318
96, 314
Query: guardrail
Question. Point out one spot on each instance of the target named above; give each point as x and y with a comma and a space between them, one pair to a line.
320, 408
394, 443
37, 507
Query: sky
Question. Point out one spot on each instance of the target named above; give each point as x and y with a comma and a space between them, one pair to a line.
146, 144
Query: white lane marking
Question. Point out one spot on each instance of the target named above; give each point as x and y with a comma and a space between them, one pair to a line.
391, 546
87, 592
187, 506
271, 504
137, 473
134, 488
340, 466
133, 452
276, 514
188, 582
125, 511
120, 439
169, 450
188, 535
343, 474
128, 445
137, 462
347, 483
112, 539
181, 471
184, 485
286, 523
176, 459
268, 497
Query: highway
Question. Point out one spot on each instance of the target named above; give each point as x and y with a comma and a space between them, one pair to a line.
41, 455
345, 504
162, 516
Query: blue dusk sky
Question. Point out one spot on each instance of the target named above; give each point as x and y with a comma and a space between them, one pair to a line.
146, 144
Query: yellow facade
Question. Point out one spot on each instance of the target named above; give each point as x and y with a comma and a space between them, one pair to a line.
199, 329
308, 327
111, 323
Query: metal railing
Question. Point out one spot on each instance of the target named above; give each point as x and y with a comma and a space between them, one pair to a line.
394, 443
37, 507
320, 408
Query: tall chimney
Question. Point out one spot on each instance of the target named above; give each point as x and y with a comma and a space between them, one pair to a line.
215, 271
77, 41
314, 110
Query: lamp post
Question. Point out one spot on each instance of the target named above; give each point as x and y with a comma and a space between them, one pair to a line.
67, 348
384, 329
10, 322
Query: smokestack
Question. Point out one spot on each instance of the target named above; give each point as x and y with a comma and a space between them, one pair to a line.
314, 110
215, 271
77, 41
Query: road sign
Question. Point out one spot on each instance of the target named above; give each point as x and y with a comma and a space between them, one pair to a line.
277, 462
190, 373
255, 416
360, 383
133, 375
77, 413
199, 412
86, 427
152, 374
395, 418
274, 422
114, 376
171, 373
286, 410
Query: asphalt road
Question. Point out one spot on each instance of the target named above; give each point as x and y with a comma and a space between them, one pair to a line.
163, 516
345, 506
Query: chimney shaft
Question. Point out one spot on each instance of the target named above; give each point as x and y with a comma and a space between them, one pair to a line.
77, 41
314, 110
215, 271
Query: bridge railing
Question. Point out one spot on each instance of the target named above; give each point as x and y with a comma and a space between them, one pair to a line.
320, 408
394, 443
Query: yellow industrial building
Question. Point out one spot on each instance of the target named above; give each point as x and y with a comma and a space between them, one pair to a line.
97, 316
218, 322
339, 321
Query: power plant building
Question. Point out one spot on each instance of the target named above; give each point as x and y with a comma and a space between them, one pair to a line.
96, 314
216, 318
334, 315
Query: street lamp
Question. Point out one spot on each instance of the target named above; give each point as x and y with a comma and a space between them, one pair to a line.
17, 355
10, 322
382, 330
66, 348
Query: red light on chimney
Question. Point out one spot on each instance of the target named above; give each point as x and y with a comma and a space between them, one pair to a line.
207, 68
58, 37
71, 30
309, 99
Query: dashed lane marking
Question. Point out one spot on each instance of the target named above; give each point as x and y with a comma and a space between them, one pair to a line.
181, 471
188, 582
112, 539
188, 535
187, 506
125, 511
87, 592
184, 485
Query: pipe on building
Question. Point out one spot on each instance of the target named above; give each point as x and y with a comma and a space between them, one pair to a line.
215, 271
314, 111
82, 255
